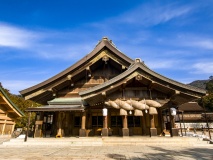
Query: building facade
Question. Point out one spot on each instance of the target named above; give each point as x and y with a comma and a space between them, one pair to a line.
9, 113
107, 93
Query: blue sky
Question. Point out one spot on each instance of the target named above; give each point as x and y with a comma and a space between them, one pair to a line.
39, 39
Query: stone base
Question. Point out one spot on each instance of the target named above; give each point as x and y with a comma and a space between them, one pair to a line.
37, 133
153, 132
125, 132
175, 132
104, 132
82, 132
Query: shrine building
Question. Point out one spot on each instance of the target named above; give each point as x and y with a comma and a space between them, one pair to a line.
107, 93
9, 113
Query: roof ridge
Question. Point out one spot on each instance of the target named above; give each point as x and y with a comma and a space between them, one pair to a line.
105, 42
141, 65
10, 101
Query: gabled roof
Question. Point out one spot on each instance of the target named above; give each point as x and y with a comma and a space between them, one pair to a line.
10, 104
191, 106
141, 69
103, 44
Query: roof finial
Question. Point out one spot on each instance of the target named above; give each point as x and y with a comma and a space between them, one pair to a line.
105, 38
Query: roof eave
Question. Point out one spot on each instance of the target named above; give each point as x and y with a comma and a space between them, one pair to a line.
99, 47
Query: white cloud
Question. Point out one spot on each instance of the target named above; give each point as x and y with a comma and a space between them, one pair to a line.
203, 43
152, 14
162, 63
195, 41
11, 36
203, 68
44, 44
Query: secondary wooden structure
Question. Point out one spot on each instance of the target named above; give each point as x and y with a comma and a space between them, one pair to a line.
9, 113
107, 93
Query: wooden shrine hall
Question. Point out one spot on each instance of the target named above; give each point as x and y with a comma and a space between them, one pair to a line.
109, 94
9, 113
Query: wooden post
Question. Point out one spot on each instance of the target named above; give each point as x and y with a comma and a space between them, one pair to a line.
28, 125
83, 120
125, 122
153, 130
105, 122
152, 121
170, 117
143, 124
4, 125
180, 122
183, 123
82, 131
125, 129
104, 131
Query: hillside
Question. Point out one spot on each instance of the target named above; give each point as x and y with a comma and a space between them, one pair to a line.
199, 83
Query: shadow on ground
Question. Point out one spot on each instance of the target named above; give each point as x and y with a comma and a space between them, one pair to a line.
160, 153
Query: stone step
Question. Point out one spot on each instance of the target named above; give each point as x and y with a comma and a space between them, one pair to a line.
106, 141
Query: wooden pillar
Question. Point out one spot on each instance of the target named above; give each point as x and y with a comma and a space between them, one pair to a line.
125, 129
4, 125
82, 131
180, 123
104, 131
83, 121
59, 122
170, 117
183, 123
144, 124
125, 124
152, 121
105, 125
173, 130
12, 129
153, 130
161, 120
28, 126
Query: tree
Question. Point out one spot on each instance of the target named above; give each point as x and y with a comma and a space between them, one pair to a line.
207, 100
209, 85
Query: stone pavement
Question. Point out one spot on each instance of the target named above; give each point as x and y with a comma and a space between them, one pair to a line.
146, 152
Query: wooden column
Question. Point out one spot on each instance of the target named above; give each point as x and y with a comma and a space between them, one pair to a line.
152, 121
28, 126
60, 132
104, 131
170, 117
153, 130
173, 130
125, 124
83, 121
4, 125
161, 120
82, 131
180, 123
105, 125
125, 129
144, 125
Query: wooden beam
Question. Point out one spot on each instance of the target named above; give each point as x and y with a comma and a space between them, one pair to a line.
7, 122
35, 94
10, 111
6, 118
2, 111
136, 88
152, 84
